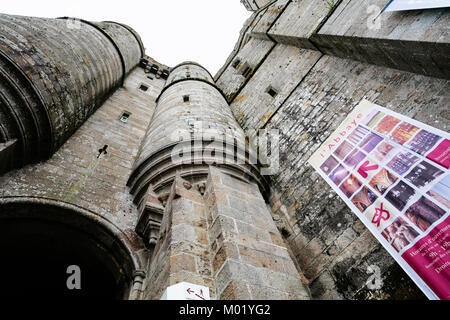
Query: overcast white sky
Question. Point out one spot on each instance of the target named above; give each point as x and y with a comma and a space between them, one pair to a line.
173, 31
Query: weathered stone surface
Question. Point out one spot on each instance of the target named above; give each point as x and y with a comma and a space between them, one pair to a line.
182, 250
299, 21
270, 16
282, 70
251, 56
323, 230
243, 254
77, 175
253, 5
416, 41
225, 226
54, 74
319, 214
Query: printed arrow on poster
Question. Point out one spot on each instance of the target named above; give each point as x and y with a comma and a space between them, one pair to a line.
190, 291
365, 167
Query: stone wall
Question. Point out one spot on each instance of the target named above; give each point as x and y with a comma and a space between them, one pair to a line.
300, 66
328, 238
182, 252
248, 255
315, 92
78, 175
54, 74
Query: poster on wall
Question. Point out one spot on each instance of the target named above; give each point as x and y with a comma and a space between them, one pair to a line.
401, 5
393, 172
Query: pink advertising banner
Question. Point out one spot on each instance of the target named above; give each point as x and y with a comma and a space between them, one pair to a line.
393, 172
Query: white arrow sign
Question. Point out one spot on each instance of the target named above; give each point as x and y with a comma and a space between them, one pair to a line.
186, 291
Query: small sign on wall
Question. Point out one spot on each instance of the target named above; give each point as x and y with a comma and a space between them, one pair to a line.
393, 172
400, 5
186, 291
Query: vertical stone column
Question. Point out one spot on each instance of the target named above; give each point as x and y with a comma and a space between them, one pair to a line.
249, 257
138, 280
182, 251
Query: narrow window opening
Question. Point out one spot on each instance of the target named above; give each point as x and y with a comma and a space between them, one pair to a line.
165, 74
102, 151
236, 63
272, 92
186, 98
150, 77
188, 75
154, 69
144, 63
245, 70
143, 87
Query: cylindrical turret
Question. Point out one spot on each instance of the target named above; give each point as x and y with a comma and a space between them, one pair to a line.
54, 73
190, 115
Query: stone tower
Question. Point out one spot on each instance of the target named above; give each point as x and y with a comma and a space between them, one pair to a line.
146, 176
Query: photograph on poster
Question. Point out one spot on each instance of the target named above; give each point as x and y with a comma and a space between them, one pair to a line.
329, 165
423, 142
382, 181
441, 191
400, 195
424, 213
384, 151
403, 133
354, 158
423, 174
339, 174
441, 155
402, 162
400, 234
358, 134
370, 142
387, 124
350, 186
373, 118
364, 199
343, 150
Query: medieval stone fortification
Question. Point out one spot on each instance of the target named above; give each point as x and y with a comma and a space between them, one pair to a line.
89, 124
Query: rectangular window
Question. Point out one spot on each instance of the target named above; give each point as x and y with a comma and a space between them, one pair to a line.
165, 74
272, 92
186, 98
245, 70
124, 117
236, 63
143, 87
154, 69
